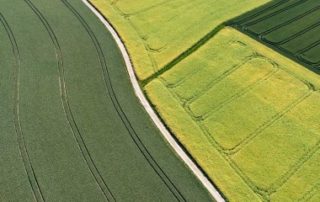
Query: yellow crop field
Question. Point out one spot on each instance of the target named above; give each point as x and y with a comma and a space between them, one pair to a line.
247, 115
156, 32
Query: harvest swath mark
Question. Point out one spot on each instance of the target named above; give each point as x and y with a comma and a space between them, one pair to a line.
67, 109
111, 93
20, 137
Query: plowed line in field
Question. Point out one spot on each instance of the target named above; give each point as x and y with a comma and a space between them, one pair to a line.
140, 36
259, 192
20, 136
259, 13
310, 193
288, 22
275, 13
217, 80
294, 36
306, 49
309, 47
241, 93
184, 54
145, 9
67, 109
296, 167
268, 123
303, 59
111, 93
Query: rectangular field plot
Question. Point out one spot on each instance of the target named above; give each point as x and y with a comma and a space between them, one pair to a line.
251, 106
289, 26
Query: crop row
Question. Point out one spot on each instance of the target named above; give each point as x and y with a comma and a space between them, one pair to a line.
282, 23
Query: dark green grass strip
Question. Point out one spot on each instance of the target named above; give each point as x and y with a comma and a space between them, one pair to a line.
111, 93
20, 137
184, 54
66, 106
203, 41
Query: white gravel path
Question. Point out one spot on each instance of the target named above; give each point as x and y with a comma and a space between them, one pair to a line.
139, 93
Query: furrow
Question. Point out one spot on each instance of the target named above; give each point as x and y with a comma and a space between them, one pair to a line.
111, 93
20, 136
67, 109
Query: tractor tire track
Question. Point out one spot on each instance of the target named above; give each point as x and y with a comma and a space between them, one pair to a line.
67, 109
292, 37
237, 95
275, 13
111, 93
292, 20
271, 7
16, 111
268, 123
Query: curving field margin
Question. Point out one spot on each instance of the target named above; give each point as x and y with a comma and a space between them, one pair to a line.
139, 93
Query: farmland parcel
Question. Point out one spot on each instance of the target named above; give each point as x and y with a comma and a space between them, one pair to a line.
71, 128
248, 115
291, 27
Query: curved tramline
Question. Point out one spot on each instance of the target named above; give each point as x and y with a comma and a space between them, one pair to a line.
120, 111
22, 145
82, 133
66, 106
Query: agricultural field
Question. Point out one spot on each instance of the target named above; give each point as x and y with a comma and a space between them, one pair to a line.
247, 114
158, 32
250, 121
291, 27
71, 128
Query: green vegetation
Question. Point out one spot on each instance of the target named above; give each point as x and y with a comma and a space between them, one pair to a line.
291, 27
158, 31
247, 115
71, 126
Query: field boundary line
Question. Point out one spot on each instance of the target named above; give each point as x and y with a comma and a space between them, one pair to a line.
217, 80
239, 94
67, 109
184, 54
247, 140
156, 120
16, 111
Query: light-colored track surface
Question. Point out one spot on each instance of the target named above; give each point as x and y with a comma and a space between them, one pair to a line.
166, 134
